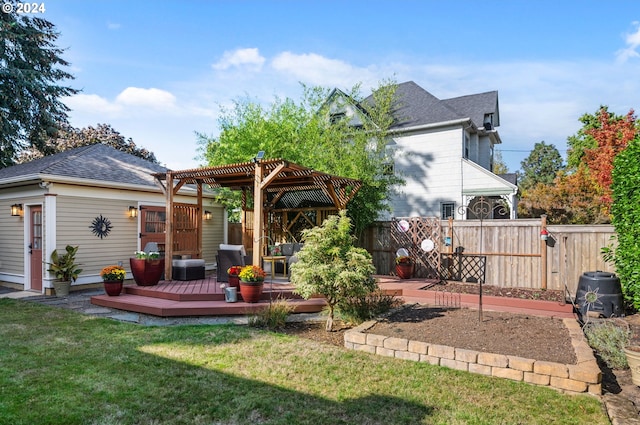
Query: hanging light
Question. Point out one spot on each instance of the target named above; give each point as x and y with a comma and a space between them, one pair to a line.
133, 212
207, 215
16, 210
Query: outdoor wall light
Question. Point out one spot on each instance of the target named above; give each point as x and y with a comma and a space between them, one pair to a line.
544, 234
207, 215
133, 212
16, 210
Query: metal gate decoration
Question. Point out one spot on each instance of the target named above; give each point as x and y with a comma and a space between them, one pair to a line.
414, 234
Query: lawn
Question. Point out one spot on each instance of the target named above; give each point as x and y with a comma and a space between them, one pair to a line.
61, 367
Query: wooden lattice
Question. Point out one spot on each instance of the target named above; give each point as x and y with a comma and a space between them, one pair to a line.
427, 264
464, 268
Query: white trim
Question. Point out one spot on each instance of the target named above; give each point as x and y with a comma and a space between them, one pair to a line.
50, 214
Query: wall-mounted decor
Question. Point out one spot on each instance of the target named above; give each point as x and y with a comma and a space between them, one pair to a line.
100, 226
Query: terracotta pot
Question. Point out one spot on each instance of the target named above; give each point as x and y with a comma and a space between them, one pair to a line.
251, 292
234, 281
404, 270
633, 358
146, 272
113, 287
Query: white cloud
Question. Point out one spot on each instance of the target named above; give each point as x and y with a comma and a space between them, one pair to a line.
91, 103
633, 42
318, 70
113, 26
152, 98
240, 58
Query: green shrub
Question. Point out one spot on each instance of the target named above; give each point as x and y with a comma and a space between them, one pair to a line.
330, 265
625, 212
609, 340
273, 317
358, 309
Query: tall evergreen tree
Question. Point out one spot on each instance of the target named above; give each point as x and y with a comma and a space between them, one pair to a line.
31, 69
541, 166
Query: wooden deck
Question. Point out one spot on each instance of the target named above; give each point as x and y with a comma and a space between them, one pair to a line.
205, 298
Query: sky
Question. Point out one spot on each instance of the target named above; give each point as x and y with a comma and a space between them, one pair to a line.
160, 71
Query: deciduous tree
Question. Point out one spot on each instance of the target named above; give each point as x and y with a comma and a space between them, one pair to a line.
69, 137
308, 134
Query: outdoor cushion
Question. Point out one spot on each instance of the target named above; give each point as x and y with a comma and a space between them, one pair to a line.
194, 262
287, 249
228, 247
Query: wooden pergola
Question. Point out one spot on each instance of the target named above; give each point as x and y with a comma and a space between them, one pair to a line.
269, 181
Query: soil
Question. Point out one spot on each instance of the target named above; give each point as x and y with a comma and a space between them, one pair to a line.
500, 333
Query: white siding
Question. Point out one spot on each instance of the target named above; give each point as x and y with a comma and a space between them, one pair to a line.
430, 164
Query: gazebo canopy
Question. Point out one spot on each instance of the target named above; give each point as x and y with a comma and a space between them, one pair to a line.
275, 182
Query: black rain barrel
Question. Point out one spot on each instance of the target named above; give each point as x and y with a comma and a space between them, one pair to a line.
600, 293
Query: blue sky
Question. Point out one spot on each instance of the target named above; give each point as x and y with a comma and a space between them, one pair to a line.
160, 71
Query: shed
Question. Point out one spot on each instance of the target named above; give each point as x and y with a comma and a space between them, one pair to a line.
105, 201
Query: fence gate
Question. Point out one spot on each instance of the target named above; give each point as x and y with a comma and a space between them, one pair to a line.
414, 234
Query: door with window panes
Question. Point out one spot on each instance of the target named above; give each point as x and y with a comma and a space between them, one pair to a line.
153, 225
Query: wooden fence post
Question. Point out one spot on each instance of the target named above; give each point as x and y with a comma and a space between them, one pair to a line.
543, 252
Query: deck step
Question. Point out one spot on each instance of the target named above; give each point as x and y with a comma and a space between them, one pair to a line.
171, 308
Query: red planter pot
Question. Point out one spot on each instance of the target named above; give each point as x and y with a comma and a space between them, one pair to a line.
234, 281
146, 272
113, 287
404, 271
251, 292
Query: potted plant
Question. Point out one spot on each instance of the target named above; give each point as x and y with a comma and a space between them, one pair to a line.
632, 353
65, 269
251, 283
112, 278
147, 268
233, 272
404, 267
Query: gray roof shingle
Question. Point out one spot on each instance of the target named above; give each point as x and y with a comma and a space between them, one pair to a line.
94, 162
415, 107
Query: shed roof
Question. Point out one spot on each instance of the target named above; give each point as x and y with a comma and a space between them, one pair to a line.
98, 162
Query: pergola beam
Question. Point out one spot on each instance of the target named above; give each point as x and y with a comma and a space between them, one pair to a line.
272, 176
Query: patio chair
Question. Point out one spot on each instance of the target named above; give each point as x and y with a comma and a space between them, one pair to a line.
225, 259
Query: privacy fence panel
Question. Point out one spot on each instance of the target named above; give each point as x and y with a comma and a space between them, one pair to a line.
577, 249
513, 249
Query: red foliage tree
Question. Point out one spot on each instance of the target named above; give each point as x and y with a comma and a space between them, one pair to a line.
613, 135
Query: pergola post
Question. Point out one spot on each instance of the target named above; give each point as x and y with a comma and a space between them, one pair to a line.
258, 201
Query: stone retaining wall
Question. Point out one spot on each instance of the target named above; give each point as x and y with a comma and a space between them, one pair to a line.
583, 377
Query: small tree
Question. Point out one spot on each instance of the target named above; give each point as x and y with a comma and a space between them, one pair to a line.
330, 265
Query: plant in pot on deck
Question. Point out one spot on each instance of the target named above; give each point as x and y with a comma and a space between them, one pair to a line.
113, 278
404, 267
65, 269
251, 283
147, 268
233, 272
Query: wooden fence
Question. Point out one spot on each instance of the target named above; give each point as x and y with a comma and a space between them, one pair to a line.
513, 249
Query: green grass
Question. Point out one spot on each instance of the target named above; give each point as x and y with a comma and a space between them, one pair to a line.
61, 367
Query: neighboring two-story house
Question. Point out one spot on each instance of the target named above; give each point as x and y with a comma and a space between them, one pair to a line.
444, 150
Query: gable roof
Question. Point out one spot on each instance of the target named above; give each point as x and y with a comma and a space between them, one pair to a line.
417, 107
475, 106
98, 162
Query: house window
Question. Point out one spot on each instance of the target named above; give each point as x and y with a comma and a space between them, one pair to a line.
337, 117
466, 146
447, 210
